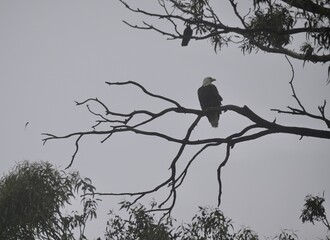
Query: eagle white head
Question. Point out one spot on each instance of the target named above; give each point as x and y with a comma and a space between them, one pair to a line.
208, 81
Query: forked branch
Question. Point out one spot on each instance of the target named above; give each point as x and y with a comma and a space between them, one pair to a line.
110, 122
302, 110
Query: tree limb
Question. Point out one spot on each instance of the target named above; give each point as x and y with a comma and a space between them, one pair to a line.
258, 128
301, 110
209, 26
308, 5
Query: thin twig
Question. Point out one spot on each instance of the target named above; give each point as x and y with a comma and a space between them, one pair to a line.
302, 110
146, 91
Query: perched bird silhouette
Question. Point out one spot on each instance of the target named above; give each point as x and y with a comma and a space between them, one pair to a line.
210, 100
187, 33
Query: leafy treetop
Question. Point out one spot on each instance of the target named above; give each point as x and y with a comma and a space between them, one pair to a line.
299, 29
32, 197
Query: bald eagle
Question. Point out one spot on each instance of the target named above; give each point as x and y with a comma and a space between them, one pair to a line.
187, 33
210, 99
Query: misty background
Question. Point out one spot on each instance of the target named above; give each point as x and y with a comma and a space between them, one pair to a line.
53, 53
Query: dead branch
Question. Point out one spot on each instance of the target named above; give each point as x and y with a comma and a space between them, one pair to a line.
120, 123
219, 172
301, 110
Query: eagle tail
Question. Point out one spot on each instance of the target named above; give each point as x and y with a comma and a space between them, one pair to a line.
213, 118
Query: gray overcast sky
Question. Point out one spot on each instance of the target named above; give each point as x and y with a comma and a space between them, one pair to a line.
55, 52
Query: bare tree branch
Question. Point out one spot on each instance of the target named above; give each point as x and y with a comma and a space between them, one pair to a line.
301, 110
145, 91
219, 172
258, 128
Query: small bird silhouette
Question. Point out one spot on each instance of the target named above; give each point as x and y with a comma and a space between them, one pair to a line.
187, 33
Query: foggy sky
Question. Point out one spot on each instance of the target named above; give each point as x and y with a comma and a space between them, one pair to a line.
55, 52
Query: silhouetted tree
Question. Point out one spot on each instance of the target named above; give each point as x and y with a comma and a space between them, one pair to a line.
271, 26
32, 200
121, 123
33, 195
206, 224
274, 27
314, 211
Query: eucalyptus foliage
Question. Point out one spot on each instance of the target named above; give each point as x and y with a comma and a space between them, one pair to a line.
32, 201
143, 224
208, 223
296, 28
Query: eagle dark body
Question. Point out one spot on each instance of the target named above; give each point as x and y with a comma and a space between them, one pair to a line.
209, 98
